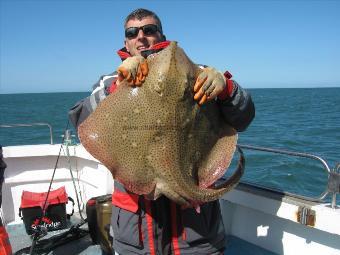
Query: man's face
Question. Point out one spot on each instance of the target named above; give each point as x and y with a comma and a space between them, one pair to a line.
141, 42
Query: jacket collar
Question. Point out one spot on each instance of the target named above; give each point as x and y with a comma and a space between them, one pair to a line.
124, 54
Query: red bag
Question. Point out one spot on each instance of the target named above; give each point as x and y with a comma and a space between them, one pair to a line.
31, 209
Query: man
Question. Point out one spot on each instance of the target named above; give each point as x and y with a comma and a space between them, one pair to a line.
141, 226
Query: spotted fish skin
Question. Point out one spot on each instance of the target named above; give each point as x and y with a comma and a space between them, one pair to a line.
156, 140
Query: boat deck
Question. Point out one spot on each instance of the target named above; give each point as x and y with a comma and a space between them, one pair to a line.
84, 246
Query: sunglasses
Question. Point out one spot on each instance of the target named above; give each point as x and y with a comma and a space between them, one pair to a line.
132, 32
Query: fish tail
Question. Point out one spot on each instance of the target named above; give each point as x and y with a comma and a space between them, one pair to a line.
203, 195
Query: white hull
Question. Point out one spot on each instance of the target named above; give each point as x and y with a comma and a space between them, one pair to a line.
259, 216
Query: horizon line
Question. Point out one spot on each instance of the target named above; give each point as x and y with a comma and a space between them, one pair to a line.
88, 91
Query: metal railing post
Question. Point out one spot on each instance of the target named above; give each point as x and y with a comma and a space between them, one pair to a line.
30, 125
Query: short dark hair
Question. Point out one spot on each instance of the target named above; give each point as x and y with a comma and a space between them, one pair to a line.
142, 13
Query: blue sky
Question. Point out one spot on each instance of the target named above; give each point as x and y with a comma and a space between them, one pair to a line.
54, 46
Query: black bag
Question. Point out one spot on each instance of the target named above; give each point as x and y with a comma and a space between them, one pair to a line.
98, 211
31, 210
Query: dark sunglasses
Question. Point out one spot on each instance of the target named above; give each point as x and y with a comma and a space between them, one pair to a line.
132, 32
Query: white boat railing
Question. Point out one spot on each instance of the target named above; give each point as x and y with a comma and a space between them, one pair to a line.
333, 183
30, 125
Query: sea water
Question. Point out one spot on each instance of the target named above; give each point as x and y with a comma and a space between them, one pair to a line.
297, 119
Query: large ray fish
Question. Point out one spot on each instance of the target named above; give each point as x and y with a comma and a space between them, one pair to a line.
155, 139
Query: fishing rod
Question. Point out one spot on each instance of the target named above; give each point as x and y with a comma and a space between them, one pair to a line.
41, 231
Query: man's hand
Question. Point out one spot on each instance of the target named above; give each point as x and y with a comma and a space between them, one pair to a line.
209, 84
133, 70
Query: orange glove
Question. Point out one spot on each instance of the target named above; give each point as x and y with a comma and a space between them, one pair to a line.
209, 84
134, 70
